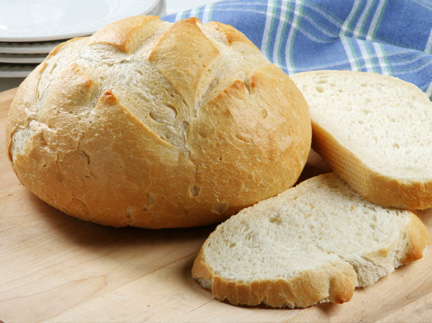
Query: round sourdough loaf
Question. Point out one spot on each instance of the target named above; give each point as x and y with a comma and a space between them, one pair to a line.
158, 125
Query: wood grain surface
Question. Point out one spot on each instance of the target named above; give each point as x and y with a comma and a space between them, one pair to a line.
55, 268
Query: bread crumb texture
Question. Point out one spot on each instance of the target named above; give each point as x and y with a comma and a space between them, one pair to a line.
313, 243
157, 125
375, 131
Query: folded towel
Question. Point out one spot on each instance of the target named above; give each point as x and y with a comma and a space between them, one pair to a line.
392, 37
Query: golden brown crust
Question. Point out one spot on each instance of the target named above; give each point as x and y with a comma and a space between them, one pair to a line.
419, 238
96, 149
60, 46
268, 139
186, 70
232, 35
26, 94
334, 283
123, 34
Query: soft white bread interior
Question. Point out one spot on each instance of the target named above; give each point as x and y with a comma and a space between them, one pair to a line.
313, 243
158, 125
375, 131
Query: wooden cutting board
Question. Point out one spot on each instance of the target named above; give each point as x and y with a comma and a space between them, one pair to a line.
55, 268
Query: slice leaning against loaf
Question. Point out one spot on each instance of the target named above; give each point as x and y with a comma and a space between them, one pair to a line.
375, 132
313, 243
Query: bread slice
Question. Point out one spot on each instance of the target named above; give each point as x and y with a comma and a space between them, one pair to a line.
375, 132
313, 243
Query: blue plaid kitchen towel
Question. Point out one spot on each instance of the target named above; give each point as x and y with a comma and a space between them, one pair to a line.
392, 37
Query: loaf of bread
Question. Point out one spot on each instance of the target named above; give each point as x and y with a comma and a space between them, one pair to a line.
375, 131
158, 125
313, 243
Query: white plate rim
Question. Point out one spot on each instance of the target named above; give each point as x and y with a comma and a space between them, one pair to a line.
125, 9
44, 47
13, 70
22, 58
28, 47
18, 71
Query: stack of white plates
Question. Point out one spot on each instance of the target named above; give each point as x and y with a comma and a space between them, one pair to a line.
30, 29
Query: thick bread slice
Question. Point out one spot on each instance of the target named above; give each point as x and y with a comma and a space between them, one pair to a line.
313, 243
375, 132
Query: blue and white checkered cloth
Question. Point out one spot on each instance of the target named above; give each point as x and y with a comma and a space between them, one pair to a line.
392, 37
